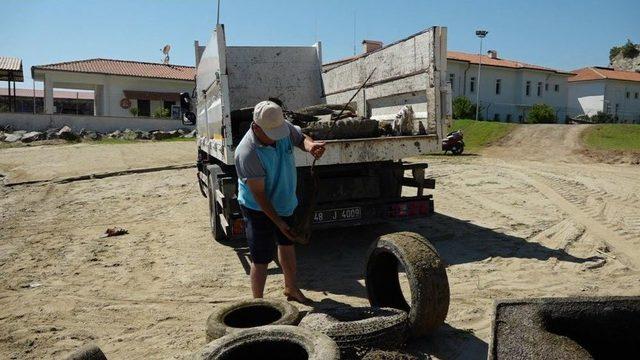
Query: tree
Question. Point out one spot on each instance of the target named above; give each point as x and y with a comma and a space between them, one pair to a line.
628, 50
541, 114
463, 108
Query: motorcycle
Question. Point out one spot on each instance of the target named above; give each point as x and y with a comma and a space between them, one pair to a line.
454, 143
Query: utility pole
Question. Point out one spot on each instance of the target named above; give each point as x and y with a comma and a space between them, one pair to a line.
481, 34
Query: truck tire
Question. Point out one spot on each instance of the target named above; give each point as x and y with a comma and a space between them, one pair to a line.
426, 275
286, 341
252, 313
358, 330
87, 352
214, 208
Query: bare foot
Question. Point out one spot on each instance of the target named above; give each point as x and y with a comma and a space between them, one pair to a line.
296, 295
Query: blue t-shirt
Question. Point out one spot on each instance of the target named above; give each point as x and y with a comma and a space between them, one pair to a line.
276, 164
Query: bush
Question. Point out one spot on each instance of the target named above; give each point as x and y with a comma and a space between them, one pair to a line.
628, 50
134, 111
602, 118
541, 114
463, 108
161, 113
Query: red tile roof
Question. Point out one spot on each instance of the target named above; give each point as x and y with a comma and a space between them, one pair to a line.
57, 94
124, 68
599, 73
488, 61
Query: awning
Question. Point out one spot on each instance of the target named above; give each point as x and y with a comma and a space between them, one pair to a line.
11, 69
151, 95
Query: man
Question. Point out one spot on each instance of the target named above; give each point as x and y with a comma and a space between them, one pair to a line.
267, 182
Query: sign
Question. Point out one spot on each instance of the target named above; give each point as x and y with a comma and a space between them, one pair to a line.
125, 103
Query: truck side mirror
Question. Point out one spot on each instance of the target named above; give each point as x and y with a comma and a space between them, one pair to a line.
188, 118
185, 101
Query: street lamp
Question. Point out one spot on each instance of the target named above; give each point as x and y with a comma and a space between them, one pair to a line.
481, 34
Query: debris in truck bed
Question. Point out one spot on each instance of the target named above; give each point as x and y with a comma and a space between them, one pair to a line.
349, 128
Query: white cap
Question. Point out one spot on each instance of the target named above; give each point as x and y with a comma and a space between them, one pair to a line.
268, 115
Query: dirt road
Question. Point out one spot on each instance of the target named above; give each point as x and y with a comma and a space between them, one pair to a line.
523, 220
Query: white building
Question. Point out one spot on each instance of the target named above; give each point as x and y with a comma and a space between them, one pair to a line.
507, 88
118, 85
602, 89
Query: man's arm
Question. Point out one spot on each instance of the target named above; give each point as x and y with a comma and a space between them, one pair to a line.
315, 148
256, 185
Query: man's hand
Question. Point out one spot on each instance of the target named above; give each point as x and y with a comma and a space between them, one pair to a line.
315, 148
285, 229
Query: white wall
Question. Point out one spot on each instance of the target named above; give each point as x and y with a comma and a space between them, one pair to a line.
41, 122
512, 99
628, 109
109, 89
585, 97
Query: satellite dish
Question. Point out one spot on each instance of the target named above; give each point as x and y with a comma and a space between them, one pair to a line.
165, 51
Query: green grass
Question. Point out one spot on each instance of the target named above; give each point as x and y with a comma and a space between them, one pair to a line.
478, 134
612, 137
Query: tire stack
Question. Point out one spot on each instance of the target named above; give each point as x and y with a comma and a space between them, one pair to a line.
266, 327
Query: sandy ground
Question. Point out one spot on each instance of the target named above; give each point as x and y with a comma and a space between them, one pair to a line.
529, 218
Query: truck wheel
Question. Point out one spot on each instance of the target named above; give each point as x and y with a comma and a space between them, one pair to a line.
214, 207
426, 274
246, 314
358, 330
271, 341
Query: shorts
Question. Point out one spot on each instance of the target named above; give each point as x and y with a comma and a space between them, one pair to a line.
262, 235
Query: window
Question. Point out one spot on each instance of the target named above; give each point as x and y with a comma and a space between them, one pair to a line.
452, 80
527, 90
498, 81
144, 108
168, 104
546, 86
496, 117
539, 89
508, 117
628, 94
472, 85
556, 88
617, 108
520, 118
636, 95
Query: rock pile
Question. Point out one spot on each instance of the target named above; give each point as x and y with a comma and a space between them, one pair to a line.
7, 134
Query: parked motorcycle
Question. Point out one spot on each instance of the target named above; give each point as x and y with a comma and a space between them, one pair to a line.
454, 143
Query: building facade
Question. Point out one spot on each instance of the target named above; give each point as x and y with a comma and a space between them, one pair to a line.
508, 89
601, 89
120, 88
32, 101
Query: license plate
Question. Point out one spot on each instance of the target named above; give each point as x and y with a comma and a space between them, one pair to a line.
334, 215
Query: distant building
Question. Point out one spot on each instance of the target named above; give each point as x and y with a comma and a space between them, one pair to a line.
602, 89
65, 102
507, 88
117, 85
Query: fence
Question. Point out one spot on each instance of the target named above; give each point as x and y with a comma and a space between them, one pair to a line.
40, 122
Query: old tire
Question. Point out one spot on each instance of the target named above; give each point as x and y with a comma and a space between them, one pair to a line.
271, 342
214, 208
87, 352
357, 330
426, 275
240, 315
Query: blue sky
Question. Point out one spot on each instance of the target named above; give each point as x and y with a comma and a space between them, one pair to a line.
562, 34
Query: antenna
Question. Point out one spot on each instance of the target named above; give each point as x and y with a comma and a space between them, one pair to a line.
354, 33
165, 51
218, 15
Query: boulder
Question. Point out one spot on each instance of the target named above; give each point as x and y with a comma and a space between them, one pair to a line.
32, 136
115, 135
129, 134
192, 134
67, 134
2, 135
52, 133
11, 138
91, 135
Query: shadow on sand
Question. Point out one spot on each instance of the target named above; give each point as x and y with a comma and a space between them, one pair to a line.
334, 264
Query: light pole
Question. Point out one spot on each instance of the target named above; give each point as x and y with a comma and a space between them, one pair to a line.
481, 34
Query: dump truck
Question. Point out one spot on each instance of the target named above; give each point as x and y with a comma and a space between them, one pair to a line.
358, 180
